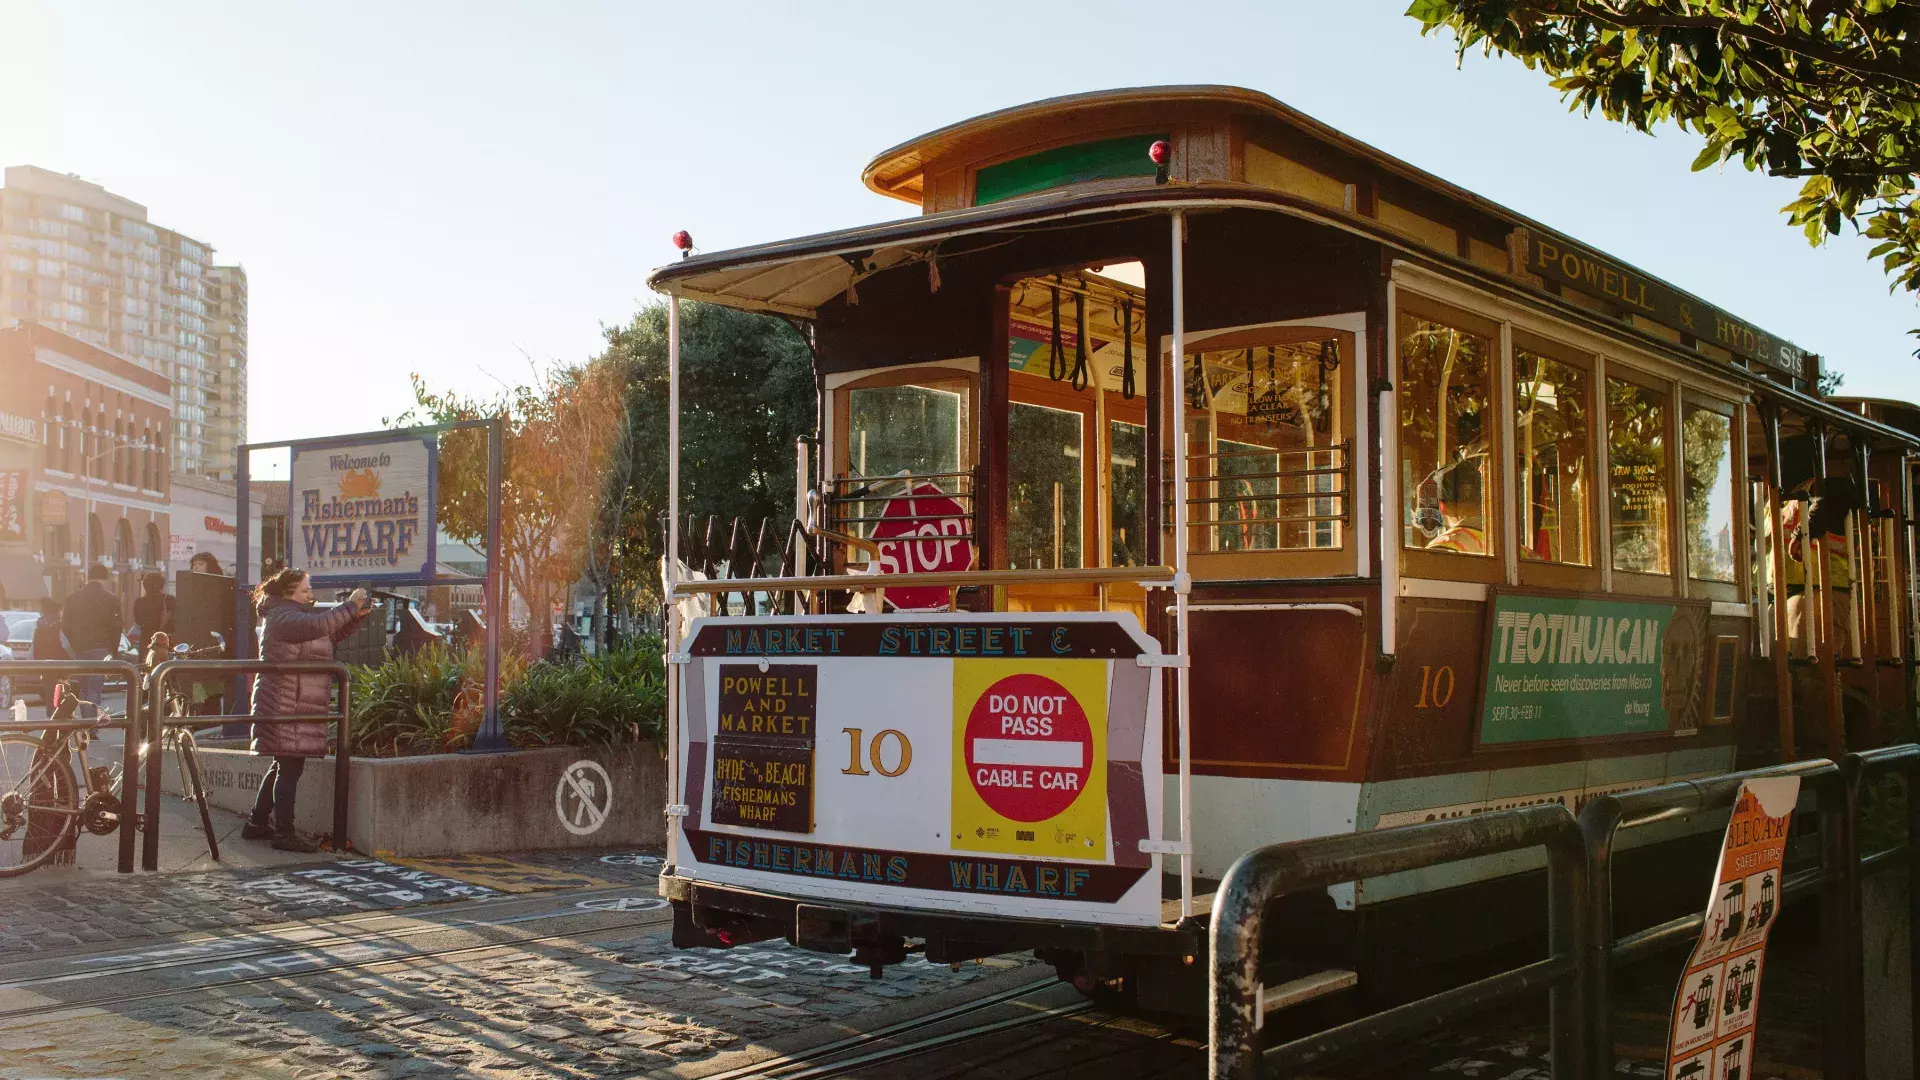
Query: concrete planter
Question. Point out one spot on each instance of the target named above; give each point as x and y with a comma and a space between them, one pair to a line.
458, 804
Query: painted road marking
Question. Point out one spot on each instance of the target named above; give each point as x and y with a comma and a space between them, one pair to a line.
505, 875
623, 903
591, 791
630, 858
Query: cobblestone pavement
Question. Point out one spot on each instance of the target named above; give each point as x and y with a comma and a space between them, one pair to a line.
79, 913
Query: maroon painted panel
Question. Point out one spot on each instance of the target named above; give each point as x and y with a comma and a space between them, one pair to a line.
1280, 692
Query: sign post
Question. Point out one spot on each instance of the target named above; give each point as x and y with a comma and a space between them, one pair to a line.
363, 510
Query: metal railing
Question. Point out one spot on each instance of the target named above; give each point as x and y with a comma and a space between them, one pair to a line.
343, 740
1238, 512
1268, 873
130, 723
1582, 947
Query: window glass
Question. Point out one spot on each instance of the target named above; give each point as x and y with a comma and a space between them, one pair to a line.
1445, 422
1265, 451
905, 429
1550, 444
1043, 487
1127, 492
1706, 440
1637, 477
900, 431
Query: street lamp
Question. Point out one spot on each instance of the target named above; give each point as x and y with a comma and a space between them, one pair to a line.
86, 472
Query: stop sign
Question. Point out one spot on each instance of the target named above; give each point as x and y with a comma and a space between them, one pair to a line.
1029, 747
923, 531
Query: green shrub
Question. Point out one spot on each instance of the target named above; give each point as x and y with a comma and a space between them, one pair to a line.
431, 702
616, 697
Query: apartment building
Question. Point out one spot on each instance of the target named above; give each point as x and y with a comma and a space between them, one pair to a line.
86, 262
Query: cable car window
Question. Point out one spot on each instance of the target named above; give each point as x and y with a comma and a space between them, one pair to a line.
1127, 492
1551, 431
906, 429
1706, 444
1445, 422
1637, 477
1044, 456
1266, 457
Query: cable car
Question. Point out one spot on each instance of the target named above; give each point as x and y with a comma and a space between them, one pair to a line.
1189, 477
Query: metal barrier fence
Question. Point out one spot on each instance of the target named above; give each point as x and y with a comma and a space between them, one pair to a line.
343, 740
1581, 946
131, 723
1269, 873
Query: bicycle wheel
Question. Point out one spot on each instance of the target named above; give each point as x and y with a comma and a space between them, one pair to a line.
39, 804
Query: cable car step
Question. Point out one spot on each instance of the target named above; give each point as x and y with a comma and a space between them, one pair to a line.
1288, 993
1170, 909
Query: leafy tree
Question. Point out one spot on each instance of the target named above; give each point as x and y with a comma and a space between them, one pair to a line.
746, 393
1818, 89
564, 434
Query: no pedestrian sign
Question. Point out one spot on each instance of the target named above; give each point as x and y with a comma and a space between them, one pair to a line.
1031, 750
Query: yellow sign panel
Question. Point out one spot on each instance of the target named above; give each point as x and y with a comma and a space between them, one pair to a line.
1030, 757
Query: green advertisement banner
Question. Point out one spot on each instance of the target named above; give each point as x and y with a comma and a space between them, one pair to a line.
1566, 668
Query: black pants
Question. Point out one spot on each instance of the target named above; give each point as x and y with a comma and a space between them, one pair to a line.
276, 793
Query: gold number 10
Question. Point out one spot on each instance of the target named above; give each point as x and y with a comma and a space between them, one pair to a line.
874, 754
1436, 687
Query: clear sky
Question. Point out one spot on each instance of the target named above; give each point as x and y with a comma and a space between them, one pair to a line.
466, 189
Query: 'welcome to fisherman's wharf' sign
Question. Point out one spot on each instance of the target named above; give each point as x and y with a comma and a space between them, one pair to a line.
1566, 668
363, 511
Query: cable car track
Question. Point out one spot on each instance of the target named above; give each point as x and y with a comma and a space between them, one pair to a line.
663, 919
269, 946
815, 1063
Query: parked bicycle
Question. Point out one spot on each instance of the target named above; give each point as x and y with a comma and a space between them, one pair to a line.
49, 793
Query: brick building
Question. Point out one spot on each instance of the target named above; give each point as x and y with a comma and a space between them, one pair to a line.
84, 465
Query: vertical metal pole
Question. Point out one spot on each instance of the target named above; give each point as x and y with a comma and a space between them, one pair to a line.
1910, 776
244, 647
1567, 936
672, 578
1839, 922
343, 766
1866, 607
131, 737
1599, 821
1782, 650
1182, 585
491, 736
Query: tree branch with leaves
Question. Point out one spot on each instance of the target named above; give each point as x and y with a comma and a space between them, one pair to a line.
1823, 90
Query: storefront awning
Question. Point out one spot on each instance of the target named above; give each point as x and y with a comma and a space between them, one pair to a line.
21, 579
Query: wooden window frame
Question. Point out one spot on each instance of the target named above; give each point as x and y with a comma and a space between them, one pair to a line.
1488, 569
1340, 561
840, 428
1730, 592
1635, 582
1539, 573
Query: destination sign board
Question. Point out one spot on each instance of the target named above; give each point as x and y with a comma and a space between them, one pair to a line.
1584, 271
968, 762
763, 747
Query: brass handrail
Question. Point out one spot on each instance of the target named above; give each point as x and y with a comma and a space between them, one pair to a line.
1093, 575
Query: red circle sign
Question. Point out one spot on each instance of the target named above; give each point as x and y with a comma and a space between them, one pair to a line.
923, 531
1029, 748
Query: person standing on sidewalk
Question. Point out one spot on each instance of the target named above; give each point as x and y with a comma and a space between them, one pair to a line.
91, 621
153, 612
295, 630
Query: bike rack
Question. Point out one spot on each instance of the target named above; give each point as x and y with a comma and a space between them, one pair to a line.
1580, 901
54, 671
343, 742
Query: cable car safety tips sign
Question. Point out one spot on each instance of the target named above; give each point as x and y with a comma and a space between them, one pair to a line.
1718, 1002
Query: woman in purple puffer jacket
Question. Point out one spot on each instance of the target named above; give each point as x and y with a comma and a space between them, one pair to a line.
294, 630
